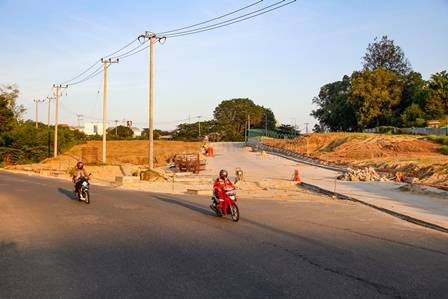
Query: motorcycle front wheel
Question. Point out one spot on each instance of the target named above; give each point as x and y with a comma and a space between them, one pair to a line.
235, 213
86, 196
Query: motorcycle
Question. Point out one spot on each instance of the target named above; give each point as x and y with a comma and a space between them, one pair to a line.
227, 205
83, 193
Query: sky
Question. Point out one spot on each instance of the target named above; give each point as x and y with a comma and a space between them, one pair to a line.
279, 60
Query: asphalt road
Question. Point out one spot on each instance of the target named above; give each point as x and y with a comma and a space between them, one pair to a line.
132, 244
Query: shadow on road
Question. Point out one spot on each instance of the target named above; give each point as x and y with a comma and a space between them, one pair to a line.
67, 193
184, 204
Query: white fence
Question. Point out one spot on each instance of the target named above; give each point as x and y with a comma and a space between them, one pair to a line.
417, 131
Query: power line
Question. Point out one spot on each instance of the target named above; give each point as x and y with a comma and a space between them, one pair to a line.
98, 71
214, 19
98, 61
234, 20
178, 33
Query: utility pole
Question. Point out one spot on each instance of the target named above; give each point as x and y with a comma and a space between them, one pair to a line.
78, 119
199, 126
248, 127
306, 127
116, 125
106, 64
56, 112
37, 111
153, 38
48, 110
266, 125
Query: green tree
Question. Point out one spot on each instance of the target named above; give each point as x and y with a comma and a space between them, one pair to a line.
268, 120
120, 132
10, 112
231, 116
335, 111
374, 96
437, 102
383, 53
413, 116
191, 131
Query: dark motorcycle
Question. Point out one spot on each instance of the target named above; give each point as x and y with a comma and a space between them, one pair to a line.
83, 193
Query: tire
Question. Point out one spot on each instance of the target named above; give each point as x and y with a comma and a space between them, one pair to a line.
235, 212
87, 197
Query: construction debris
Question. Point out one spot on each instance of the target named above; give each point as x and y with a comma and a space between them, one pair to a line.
367, 174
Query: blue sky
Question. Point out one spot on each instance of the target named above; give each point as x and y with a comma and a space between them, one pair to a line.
279, 60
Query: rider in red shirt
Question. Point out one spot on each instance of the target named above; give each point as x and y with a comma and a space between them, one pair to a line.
218, 187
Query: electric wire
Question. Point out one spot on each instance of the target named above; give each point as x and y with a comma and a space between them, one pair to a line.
98, 71
178, 33
208, 21
125, 54
235, 20
98, 61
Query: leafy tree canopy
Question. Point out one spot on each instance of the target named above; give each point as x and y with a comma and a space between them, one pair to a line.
383, 53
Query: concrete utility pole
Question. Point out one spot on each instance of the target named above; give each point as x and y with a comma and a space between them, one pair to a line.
48, 110
153, 38
199, 126
78, 119
116, 125
248, 127
37, 111
306, 126
56, 112
266, 125
106, 64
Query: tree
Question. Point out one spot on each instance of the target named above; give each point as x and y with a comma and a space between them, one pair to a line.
413, 116
335, 111
10, 112
268, 120
374, 95
231, 116
437, 103
191, 131
120, 132
385, 54
287, 130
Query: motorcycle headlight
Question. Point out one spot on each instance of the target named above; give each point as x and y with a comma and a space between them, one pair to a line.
84, 184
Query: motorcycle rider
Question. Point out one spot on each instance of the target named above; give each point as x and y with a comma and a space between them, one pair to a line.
220, 184
79, 172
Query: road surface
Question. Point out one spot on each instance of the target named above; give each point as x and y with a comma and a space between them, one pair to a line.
129, 244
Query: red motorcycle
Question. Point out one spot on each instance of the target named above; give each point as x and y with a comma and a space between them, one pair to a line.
227, 205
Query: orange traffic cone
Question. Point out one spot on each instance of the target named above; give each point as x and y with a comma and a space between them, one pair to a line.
296, 177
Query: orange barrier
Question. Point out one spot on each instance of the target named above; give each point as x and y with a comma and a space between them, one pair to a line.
296, 177
210, 152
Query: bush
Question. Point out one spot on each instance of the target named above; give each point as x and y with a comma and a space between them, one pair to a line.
25, 143
438, 139
386, 129
444, 149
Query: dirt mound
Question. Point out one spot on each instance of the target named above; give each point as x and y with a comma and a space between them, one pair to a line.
412, 155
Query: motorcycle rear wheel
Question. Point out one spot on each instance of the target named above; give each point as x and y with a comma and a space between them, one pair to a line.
235, 213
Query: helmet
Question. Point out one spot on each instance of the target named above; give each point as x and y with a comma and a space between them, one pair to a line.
80, 165
223, 174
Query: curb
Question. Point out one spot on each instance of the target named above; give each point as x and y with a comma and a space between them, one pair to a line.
384, 210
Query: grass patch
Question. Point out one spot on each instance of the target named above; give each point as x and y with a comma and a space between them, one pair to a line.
438, 139
444, 149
